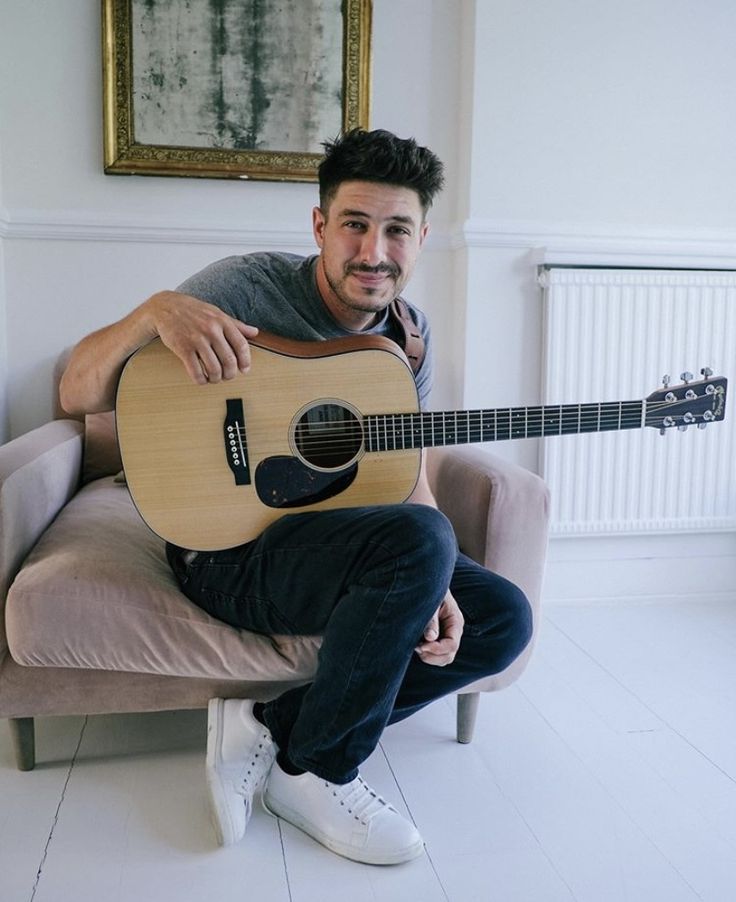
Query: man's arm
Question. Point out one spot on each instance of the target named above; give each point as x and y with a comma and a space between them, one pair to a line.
211, 345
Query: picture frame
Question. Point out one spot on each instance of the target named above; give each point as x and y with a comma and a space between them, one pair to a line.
239, 89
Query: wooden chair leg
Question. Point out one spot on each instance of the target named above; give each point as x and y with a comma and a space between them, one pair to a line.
23, 735
467, 710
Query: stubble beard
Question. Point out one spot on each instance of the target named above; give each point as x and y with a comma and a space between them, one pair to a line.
347, 300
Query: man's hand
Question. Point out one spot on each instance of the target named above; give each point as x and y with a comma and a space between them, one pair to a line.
442, 635
211, 344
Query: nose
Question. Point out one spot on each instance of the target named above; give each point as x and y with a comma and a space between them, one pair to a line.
372, 248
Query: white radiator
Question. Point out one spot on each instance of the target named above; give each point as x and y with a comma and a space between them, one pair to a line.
610, 335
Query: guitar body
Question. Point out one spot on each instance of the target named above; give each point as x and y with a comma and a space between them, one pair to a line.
211, 466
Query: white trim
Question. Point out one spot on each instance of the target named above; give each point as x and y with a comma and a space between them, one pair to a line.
549, 243
72, 226
689, 567
37, 225
599, 244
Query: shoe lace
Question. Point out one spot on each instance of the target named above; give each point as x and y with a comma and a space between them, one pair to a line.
362, 802
258, 764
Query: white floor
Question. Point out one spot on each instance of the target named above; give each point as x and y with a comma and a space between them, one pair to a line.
607, 773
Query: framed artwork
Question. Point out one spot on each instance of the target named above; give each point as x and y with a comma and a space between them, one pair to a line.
243, 89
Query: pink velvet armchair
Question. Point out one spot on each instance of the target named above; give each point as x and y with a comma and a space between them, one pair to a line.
91, 620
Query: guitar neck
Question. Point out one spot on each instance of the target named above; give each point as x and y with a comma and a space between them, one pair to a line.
399, 431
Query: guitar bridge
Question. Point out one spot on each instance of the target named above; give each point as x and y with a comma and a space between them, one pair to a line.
236, 444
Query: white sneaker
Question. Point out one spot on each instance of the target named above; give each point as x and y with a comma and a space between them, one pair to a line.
349, 819
240, 752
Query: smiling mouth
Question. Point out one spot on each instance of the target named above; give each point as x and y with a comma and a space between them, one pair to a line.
372, 276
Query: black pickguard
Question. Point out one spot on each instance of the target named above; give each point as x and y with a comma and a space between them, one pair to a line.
286, 482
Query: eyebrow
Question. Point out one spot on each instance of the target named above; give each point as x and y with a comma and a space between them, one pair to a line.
404, 220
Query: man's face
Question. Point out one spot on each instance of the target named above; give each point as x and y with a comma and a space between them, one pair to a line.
370, 238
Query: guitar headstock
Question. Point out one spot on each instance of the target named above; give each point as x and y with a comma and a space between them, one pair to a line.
688, 404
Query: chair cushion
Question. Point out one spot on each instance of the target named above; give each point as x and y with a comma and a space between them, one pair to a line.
97, 592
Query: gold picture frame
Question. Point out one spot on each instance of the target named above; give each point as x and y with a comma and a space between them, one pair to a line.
146, 131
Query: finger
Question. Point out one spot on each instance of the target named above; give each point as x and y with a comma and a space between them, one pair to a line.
247, 330
436, 660
238, 340
229, 360
195, 370
210, 364
442, 652
225, 356
432, 630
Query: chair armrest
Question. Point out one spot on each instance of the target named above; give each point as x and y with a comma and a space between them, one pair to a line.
500, 512
39, 473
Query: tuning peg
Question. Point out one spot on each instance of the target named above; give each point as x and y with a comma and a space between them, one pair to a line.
666, 381
707, 372
682, 428
702, 425
686, 377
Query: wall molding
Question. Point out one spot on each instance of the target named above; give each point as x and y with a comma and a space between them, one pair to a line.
80, 226
548, 243
601, 244
38, 225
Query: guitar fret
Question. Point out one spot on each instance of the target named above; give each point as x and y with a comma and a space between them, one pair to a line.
408, 431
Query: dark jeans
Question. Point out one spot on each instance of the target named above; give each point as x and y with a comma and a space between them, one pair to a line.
368, 580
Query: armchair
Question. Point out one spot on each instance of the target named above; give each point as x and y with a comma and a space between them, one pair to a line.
92, 621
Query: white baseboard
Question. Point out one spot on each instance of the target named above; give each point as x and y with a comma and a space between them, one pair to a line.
645, 569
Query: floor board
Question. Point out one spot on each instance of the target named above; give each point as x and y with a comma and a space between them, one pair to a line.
607, 773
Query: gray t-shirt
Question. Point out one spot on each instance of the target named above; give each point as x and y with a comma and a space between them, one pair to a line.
278, 292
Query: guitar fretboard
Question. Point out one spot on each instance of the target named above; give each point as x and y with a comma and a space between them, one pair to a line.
397, 431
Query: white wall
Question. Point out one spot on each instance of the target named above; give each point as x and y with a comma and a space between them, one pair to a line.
597, 131
606, 112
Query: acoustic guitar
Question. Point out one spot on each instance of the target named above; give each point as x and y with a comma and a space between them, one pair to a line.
317, 425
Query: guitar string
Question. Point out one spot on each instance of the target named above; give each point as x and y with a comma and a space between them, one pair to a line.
610, 409
465, 419
493, 420
400, 432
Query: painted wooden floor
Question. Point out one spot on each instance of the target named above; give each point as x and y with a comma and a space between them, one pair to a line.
606, 774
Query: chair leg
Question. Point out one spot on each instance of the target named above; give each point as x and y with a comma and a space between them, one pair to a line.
467, 709
24, 742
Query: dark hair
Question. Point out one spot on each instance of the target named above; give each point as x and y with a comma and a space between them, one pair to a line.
379, 156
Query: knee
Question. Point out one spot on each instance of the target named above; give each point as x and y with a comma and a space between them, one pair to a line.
520, 619
422, 547
427, 533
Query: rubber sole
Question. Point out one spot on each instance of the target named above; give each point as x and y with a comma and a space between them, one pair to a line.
400, 856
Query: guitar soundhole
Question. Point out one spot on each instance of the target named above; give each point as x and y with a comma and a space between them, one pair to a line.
328, 436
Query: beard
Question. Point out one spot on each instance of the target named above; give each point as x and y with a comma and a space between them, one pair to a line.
373, 300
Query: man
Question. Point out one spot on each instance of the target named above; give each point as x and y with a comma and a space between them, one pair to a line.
404, 617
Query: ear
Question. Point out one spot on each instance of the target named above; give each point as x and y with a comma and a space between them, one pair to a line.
318, 226
423, 232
